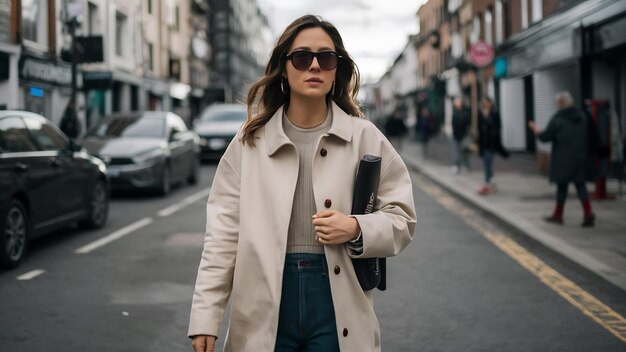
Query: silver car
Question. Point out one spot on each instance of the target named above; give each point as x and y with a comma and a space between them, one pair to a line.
217, 126
147, 150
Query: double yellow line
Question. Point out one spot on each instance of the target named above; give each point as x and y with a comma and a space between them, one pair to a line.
581, 299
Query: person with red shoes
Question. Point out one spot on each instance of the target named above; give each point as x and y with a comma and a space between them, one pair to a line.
567, 130
489, 142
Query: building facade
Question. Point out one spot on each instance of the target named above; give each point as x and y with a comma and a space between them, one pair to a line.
521, 53
240, 36
9, 54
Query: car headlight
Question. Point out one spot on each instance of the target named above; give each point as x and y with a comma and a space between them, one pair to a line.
148, 156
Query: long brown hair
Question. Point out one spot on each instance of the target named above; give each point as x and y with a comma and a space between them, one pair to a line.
273, 95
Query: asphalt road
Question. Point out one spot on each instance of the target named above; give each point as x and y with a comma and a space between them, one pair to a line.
450, 290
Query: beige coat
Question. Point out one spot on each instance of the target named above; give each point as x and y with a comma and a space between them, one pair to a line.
248, 215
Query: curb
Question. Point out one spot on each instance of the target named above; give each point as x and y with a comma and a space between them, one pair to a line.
528, 230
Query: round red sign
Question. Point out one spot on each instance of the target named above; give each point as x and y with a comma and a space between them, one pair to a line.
481, 54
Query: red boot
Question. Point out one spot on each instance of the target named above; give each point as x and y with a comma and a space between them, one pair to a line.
557, 216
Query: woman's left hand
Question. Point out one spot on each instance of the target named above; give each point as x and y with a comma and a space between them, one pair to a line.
333, 227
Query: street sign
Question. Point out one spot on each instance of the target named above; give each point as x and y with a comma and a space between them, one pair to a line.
89, 49
481, 54
97, 80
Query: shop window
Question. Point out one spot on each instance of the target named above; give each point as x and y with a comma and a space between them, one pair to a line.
35, 22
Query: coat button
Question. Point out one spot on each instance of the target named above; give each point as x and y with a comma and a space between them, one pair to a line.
345, 332
328, 203
337, 269
323, 152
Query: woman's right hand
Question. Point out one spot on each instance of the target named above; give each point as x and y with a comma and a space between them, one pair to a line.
203, 343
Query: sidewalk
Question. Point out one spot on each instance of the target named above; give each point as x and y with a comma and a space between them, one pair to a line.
524, 197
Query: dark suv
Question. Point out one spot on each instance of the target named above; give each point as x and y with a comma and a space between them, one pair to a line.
46, 182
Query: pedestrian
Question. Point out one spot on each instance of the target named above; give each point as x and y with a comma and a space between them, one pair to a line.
69, 121
568, 132
279, 234
461, 121
489, 142
423, 129
396, 129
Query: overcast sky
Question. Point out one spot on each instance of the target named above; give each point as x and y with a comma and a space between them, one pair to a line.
374, 31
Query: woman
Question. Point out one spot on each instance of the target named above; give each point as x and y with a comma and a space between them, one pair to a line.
567, 130
279, 237
489, 142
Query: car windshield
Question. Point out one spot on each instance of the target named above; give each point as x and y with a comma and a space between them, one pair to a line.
137, 126
214, 114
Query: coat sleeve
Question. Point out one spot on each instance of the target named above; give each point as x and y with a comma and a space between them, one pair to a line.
388, 230
215, 273
549, 133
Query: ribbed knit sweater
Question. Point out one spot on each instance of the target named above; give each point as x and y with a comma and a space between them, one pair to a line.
301, 237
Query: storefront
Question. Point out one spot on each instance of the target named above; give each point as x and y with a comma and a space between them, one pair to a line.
44, 86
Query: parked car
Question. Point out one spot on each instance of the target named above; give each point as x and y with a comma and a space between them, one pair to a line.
47, 181
217, 126
146, 150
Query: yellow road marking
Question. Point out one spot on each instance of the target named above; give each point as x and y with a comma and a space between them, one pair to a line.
578, 297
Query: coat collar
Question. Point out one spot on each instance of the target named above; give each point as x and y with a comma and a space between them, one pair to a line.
275, 134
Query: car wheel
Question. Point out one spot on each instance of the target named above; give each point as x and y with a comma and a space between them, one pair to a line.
194, 176
166, 181
14, 236
98, 207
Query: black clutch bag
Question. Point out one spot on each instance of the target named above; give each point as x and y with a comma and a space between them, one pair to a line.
370, 271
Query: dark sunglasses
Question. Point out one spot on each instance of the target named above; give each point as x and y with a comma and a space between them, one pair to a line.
302, 59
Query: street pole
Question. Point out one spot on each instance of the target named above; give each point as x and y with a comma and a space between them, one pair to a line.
72, 28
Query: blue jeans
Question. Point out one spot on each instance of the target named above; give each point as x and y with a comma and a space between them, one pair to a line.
461, 158
307, 318
488, 164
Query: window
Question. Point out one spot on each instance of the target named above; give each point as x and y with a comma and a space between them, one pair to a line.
14, 137
45, 135
120, 26
524, 12
537, 10
149, 6
35, 21
93, 19
475, 35
488, 27
149, 57
177, 17
499, 22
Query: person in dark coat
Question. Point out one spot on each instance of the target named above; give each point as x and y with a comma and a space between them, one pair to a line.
461, 121
567, 130
489, 142
423, 129
395, 129
69, 121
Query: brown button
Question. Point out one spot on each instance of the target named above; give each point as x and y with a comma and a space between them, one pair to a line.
328, 203
323, 152
345, 332
337, 269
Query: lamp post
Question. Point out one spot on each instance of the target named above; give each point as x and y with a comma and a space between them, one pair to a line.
73, 11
